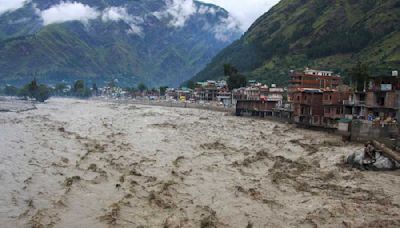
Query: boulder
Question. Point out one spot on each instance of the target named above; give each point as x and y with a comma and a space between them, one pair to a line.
357, 160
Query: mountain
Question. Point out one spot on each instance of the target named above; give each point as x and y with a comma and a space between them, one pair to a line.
156, 42
328, 34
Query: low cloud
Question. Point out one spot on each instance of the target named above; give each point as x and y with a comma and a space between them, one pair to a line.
68, 11
246, 11
178, 12
226, 28
206, 10
121, 14
11, 5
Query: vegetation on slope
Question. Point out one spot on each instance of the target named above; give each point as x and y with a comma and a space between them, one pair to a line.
315, 33
103, 50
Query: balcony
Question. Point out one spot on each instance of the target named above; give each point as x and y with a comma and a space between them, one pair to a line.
354, 103
383, 88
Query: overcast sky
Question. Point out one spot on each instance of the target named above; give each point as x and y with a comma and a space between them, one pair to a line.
246, 11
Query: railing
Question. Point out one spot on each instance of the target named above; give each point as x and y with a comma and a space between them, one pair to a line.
354, 102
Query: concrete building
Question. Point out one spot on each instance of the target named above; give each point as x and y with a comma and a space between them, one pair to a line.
307, 107
383, 97
332, 102
314, 79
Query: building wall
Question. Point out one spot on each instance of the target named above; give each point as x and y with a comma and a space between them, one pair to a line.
398, 105
365, 130
390, 99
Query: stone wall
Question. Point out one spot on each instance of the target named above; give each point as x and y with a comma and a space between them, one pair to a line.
365, 130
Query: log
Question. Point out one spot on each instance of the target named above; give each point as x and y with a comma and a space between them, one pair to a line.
386, 151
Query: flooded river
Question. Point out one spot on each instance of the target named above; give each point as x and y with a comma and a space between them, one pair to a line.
72, 163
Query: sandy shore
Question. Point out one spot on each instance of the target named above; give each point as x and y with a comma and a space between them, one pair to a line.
72, 163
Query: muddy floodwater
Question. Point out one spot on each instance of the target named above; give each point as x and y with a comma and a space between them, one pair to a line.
72, 163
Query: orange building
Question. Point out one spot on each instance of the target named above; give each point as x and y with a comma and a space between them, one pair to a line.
314, 79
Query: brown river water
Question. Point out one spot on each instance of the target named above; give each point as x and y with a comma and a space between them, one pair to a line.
73, 163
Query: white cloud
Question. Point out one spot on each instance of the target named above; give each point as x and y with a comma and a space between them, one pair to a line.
206, 10
246, 11
121, 14
226, 28
11, 5
178, 11
68, 11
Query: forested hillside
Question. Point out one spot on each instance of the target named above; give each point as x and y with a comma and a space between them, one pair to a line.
329, 34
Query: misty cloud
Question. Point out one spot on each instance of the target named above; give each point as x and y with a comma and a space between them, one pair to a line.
226, 28
246, 11
11, 5
68, 11
121, 14
206, 10
178, 12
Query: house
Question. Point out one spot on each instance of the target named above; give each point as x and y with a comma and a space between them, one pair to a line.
260, 108
332, 102
184, 94
383, 97
313, 79
171, 94
208, 91
275, 94
307, 107
355, 106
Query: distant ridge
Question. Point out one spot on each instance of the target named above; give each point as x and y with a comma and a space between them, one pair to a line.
150, 41
326, 34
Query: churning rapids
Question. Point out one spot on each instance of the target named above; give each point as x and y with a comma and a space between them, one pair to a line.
73, 163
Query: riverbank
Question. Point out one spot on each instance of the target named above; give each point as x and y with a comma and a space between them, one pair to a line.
173, 104
88, 163
13, 104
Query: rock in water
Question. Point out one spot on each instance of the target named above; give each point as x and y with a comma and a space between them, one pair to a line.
382, 162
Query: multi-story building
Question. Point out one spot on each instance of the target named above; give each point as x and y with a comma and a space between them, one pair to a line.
316, 98
307, 106
206, 91
275, 94
332, 102
313, 79
355, 106
383, 97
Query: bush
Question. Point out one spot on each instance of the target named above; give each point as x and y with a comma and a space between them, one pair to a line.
33, 90
43, 93
80, 89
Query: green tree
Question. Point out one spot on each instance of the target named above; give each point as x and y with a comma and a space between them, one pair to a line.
60, 88
191, 84
24, 92
163, 89
33, 90
359, 76
229, 70
235, 80
79, 86
80, 89
42, 93
142, 87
